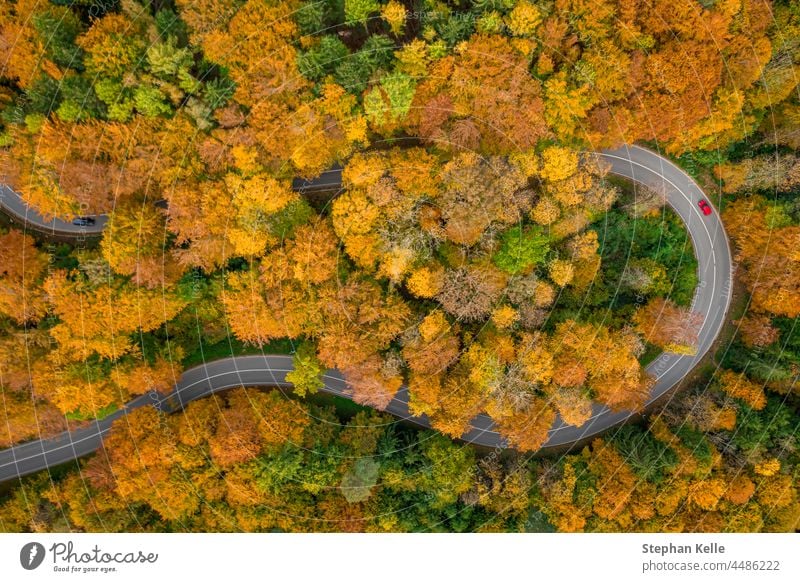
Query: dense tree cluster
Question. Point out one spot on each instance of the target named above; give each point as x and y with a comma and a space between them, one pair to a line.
466, 235
256, 461
476, 253
767, 237
125, 103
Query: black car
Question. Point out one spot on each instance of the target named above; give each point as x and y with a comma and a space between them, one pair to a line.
83, 221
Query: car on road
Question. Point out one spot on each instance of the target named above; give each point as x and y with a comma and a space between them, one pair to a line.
705, 207
83, 221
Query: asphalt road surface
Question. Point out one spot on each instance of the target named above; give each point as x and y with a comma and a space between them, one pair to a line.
711, 299
17, 209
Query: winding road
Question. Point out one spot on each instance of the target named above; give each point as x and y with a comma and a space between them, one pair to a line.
645, 167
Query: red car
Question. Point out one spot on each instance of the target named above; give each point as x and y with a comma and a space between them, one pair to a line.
705, 207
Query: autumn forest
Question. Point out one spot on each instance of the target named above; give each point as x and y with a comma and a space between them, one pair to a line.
478, 253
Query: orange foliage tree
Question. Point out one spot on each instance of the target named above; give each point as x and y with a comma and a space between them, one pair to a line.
22, 266
668, 326
767, 254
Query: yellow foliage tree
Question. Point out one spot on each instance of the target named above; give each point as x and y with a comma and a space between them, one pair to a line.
100, 319
394, 13
524, 18
546, 211
738, 386
561, 272
558, 163
768, 467
707, 493
426, 281
21, 267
